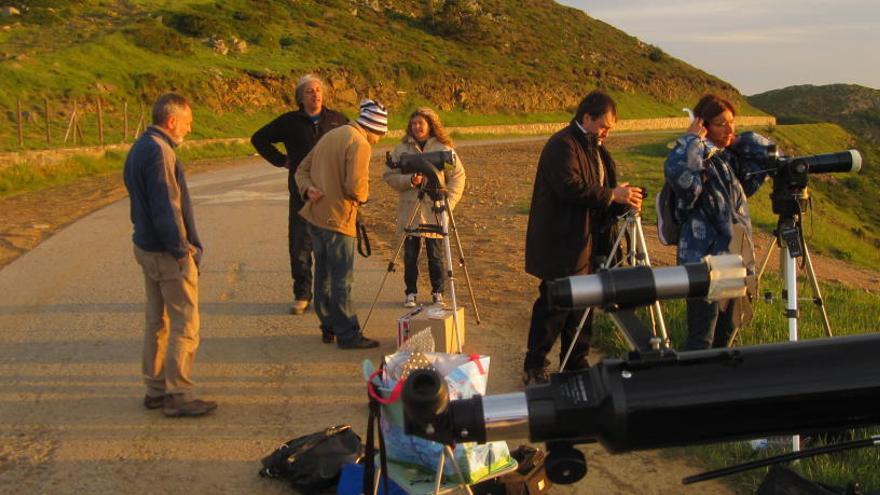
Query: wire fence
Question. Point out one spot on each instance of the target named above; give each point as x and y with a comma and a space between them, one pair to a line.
88, 121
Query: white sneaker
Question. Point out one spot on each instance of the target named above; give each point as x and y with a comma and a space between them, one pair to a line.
410, 301
438, 298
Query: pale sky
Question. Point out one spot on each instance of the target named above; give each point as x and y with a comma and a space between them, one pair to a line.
757, 45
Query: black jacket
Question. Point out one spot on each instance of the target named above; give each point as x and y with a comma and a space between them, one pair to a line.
571, 213
299, 135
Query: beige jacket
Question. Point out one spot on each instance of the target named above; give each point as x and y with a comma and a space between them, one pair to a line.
454, 179
338, 166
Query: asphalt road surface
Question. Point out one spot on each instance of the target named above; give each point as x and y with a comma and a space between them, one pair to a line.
71, 317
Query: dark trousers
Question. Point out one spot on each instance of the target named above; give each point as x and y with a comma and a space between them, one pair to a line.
708, 326
547, 324
334, 268
436, 265
299, 243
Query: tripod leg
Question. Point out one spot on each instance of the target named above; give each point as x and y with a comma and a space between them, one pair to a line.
791, 312
817, 299
463, 265
634, 254
448, 450
577, 334
656, 310
412, 216
438, 479
789, 270
617, 245
766, 259
444, 225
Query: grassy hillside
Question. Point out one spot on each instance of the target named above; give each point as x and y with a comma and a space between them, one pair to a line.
529, 59
854, 107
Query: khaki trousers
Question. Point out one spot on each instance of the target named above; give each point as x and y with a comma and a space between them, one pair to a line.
171, 331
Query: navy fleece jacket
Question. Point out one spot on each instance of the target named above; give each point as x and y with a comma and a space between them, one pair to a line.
161, 210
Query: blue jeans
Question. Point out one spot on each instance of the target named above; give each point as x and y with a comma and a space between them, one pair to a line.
436, 265
334, 267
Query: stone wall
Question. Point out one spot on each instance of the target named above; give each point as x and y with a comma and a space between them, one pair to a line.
46, 157
622, 125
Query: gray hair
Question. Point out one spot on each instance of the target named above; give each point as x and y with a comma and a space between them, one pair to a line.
167, 105
302, 83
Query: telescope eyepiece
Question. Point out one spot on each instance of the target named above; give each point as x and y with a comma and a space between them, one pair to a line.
425, 395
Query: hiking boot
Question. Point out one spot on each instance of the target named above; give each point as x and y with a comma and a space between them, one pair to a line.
535, 376
438, 299
299, 306
154, 402
359, 342
410, 301
327, 336
175, 406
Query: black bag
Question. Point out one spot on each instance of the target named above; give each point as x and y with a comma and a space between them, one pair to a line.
668, 228
783, 481
530, 477
313, 462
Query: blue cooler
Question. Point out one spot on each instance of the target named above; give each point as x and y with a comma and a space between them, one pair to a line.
351, 482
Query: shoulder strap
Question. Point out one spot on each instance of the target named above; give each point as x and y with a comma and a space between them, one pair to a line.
363, 240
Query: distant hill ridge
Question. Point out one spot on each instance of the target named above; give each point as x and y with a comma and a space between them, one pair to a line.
856, 108
484, 56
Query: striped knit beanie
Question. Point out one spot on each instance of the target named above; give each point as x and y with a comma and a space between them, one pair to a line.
373, 117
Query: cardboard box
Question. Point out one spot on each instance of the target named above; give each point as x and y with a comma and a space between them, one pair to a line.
439, 320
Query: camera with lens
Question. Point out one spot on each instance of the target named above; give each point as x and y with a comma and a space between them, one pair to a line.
790, 175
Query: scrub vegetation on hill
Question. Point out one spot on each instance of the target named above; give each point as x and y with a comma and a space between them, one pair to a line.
524, 60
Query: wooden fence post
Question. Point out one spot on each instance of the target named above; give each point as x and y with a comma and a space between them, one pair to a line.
100, 122
125, 121
74, 120
20, 123
48, 131
140, 122
79, 131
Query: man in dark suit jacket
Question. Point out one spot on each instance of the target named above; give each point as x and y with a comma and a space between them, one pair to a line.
575, 201
299, 131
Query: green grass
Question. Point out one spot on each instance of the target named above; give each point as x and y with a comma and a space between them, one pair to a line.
850, 311
24, 177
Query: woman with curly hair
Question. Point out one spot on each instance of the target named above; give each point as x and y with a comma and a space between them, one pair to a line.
424, 134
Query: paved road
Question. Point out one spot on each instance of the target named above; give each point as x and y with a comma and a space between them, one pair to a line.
70, 339
71, 419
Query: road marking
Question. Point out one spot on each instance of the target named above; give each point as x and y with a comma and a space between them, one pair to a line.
240, 196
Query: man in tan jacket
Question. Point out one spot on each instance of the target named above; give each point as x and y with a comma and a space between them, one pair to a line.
334, 179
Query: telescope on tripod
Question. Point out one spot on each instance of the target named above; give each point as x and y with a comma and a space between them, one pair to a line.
429, 165
698, 397
789, 198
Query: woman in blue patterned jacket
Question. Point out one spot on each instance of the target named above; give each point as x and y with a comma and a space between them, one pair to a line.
712, 171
